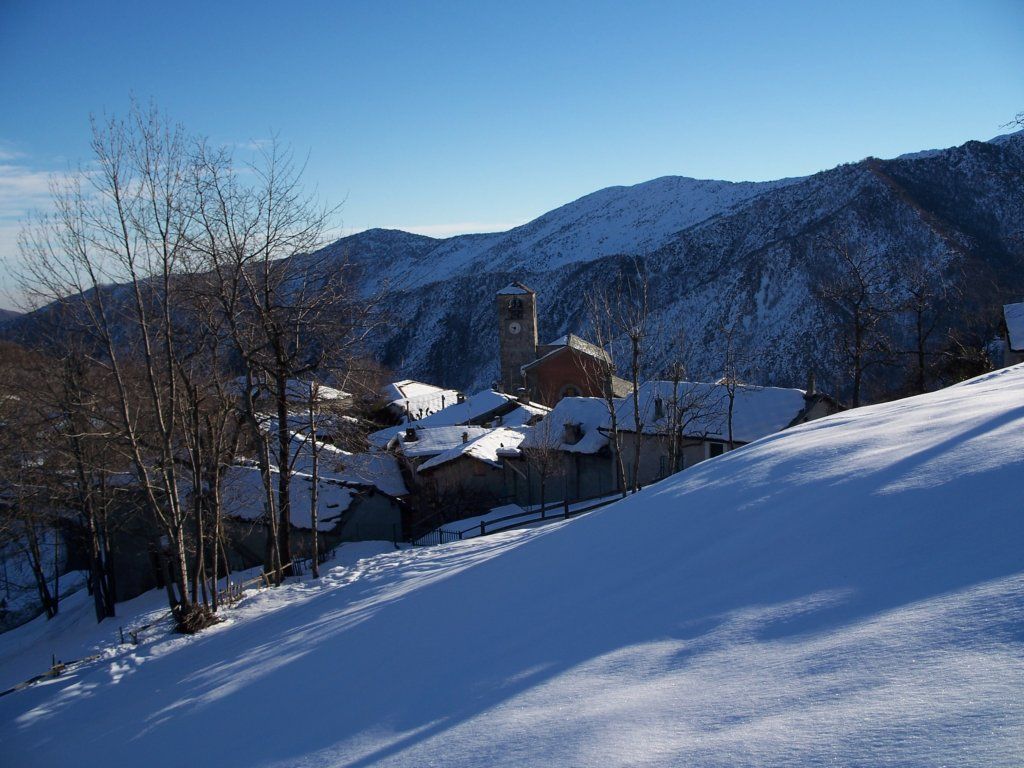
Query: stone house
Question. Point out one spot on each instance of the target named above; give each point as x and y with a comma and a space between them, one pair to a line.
457, 471
684, 423
1013, 334
570, 448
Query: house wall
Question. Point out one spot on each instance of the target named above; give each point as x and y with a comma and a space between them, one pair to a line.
462, 488
580, 476
654, 455
820, 409
1010, 357
548, 380
371, 517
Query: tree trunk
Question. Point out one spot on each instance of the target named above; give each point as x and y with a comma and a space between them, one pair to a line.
35, 560
635, 370
284, 476
314, 491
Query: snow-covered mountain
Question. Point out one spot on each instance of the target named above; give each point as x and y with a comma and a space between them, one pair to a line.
717, 252
847, 592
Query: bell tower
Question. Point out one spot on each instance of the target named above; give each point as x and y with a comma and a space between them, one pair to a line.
517, 333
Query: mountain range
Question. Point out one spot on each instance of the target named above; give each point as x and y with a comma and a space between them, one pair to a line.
716, 253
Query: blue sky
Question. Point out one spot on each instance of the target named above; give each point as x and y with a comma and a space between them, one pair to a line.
453, 117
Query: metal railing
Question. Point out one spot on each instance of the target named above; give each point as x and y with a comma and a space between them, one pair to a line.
555, 511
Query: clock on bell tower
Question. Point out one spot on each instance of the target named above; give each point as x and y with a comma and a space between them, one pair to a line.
517, 333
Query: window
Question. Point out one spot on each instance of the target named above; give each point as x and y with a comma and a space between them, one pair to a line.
515, 309
659, 408
715, 449
569, 390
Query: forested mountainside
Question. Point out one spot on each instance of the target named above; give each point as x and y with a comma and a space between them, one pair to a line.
716, 253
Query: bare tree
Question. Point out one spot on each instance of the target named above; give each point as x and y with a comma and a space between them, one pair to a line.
601, 373
859, 295
622, 316
736, 363
126, 221
28, 518
543, 455
925, 299
289, 311
688, 411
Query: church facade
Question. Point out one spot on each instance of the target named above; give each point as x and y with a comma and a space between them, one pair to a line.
567, 367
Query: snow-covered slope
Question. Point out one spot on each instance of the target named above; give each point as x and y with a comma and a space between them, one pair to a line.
716, 252
615, 220
847, 592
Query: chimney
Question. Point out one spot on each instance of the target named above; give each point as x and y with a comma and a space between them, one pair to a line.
523, 396
810, 382
410, 435
465, 437
460, 398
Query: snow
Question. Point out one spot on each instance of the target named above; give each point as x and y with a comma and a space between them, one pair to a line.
515, 289
473, 409
342, 474
377, 469
243, 497
845, 592
1014, 316
19, 595
486, 448
590, 414
416, 398
531, 516
523, 415
757, 411
431, 442
616, 220
299, 391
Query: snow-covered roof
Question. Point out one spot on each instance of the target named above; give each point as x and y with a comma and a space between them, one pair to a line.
703, 409
569, 341
416, 398
487, 447
435, 440
590, 414
514, 289
523, 414
377, 469
242, 496
297, 390
301, 391
1014, 316
475, 408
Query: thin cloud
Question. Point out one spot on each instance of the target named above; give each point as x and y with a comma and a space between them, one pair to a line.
23, 190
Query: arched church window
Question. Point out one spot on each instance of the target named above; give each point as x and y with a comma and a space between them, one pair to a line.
515, 308
570, 390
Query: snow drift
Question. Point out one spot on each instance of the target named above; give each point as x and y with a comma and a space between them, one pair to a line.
847, 592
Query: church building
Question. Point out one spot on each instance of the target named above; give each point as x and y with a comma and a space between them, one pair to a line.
566, 367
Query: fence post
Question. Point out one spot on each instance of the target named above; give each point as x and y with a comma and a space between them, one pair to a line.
565, 503
482, 524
